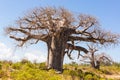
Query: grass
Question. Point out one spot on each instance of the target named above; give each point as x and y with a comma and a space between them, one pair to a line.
26, 70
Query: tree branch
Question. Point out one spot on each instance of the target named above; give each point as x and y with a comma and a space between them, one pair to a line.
77, 38
78, 48
10, 29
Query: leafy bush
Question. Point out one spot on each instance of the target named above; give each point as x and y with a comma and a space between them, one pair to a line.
116, 64
17, 65
3, 75
74, 64
34, 74
91, 76
25, 61
0, 66
29, 65
42, 65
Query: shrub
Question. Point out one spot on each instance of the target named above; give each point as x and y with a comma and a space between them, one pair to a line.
0, 66
17, 65
30, 65
91, 76
80, 73
25, 61
3, 74
42, 66
35, 74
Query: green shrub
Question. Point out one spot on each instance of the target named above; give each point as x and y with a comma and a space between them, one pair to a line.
106, 72
21, 75
55, 77
30, 65
66, 72
17, 65
3, 74
74, 64
25, 61
80, 74
42, 65
0, 66
91, 76
34, 74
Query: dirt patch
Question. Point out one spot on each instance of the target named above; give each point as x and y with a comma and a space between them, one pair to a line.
114, 76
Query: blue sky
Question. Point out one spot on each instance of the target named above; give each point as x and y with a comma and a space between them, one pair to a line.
106, 11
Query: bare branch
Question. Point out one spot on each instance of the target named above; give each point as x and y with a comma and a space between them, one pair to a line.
10, 29
78, 48
86, 39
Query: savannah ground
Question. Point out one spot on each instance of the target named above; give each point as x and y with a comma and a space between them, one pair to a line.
26, 70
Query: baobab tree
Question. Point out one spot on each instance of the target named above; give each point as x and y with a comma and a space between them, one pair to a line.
59, 29
94, 58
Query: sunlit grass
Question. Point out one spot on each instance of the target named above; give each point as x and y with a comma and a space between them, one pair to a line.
26, 70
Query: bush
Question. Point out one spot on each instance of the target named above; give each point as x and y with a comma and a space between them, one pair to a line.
80, 74
17, 65
35, 74
116, 64
73, 64
25, 61
0, 66
30, 65
3, 74
42, 66
91, 76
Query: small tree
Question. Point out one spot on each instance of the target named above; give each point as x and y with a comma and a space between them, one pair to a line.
57, 27
105, 59
96, 59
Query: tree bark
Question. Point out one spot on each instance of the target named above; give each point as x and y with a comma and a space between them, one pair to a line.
93, 60
48, 63
97, 65
56, 50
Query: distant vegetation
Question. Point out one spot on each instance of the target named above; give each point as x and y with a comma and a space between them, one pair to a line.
25, 70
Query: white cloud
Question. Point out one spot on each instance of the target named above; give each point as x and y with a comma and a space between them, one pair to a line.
35, 57
7, 53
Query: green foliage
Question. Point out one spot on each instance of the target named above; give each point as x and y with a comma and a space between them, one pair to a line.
0, 66
73, 64
26, 70
25, 61
91, 76
16, 66
29, 74
42, 65
106, 72
116, 64
81, 75
2, 74
34, 74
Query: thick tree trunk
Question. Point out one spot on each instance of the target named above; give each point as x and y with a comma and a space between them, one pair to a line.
97, 65
58, 57
55, 61
93, 61
93, 64
49, 56
56, 53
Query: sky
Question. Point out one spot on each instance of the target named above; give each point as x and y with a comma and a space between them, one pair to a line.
106, 11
